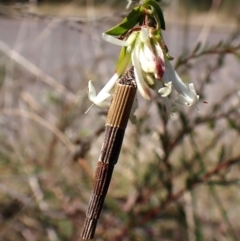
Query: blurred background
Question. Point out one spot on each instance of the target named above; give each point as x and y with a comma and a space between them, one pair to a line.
177, 178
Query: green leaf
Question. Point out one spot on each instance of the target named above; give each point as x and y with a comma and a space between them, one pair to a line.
122, 53
222, 153
218, 45
128, 23
169, 57
158, 10
197, 47
197, 223
121, 57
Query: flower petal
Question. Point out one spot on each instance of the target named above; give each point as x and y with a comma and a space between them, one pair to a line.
143, 34
159, 61
91, 91
149, 79
141, 84
113, 40
101, 98
151, 57
165, 91
192, 88
166, 76
182, 100
110, 84
147, 63
190, 99
116, 41
187, 93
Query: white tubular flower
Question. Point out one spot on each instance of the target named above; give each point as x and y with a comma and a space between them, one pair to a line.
116, 41
146, 62
141, 84
151, 68
151, 55
147, 58
160, 63
187, 92
100, 99
140, 50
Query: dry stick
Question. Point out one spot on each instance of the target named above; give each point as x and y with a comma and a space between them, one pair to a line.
28, 65
116, 123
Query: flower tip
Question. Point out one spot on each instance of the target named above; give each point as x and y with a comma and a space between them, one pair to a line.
104, 35
91, 90
111, 39
129, 4
187, 100
90, 85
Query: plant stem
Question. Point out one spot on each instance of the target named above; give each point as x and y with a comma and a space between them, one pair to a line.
116, 123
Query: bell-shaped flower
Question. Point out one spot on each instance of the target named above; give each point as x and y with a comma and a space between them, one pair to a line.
146, 55
187, 93
101, 99
148, 62
151, 55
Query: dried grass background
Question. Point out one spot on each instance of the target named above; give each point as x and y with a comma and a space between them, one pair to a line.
178, 175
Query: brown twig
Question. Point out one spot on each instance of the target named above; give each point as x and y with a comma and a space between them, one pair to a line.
116, 123
189, 186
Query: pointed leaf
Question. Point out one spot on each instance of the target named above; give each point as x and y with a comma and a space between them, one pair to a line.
222, 153
169, 57
128, 23
197, 47
122, 54
122, 60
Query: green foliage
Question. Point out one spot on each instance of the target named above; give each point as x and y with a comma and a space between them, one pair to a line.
136, 16
128, 22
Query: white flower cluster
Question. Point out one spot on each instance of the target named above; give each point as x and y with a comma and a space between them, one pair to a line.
152, 70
